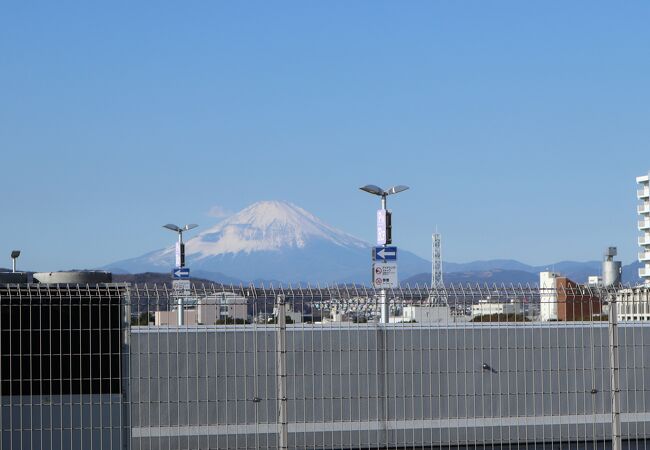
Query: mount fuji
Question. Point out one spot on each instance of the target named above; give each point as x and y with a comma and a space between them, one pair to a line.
273, 240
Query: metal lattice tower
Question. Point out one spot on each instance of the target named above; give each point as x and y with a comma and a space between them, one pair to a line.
437, 283
436, 262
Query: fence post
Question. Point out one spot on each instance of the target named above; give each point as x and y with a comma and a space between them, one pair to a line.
281, 351
179, 311
614, 372
125, 363
384, 306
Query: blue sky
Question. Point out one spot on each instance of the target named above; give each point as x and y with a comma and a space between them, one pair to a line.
520, 127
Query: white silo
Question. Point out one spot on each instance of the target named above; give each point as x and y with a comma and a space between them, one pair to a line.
612, 270
548, 296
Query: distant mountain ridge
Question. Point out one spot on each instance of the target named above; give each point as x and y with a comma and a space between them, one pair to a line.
490, 276
272, 240
519, 272
493, 271
276, 241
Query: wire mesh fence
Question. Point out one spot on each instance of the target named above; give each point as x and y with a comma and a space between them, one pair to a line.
212, 366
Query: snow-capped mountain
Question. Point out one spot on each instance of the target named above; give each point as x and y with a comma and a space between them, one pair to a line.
267, 226
273, 240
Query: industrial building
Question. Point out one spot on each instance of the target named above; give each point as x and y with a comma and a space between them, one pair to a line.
612, 271
562, 299
575, 302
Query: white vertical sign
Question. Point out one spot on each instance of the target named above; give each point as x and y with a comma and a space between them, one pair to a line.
381, 227
178, 255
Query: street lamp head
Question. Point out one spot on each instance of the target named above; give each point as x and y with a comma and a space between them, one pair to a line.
372, 189
397, 189
15, 254
177, 229
172, 227
376, 190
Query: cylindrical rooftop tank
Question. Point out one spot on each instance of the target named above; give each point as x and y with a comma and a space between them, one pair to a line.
80, 277
612, 273
14, 277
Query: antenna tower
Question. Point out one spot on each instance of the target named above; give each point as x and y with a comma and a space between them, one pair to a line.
437, 284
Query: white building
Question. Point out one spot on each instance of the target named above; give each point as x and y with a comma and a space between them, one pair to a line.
425, 314
294, 316
595, 280
207, 310
548, 296
643, 209
633, 304
487, 307
336, 316
222, 306
170, 318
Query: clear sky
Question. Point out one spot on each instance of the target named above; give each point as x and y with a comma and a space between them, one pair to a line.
519, 126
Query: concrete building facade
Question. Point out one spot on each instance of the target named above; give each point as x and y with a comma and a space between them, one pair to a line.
633, 304
643, 209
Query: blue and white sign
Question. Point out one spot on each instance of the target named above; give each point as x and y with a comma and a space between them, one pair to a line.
384, 275
181, 273
384, 254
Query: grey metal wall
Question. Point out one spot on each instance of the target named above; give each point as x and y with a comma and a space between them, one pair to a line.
63, 422
369, 385
61, 367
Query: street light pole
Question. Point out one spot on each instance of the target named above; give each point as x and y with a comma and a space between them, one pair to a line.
384, 305
180, 262
180, 242
383, 301
14, 256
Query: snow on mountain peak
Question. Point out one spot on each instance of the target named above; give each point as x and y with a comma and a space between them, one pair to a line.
272, 240
266, 226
